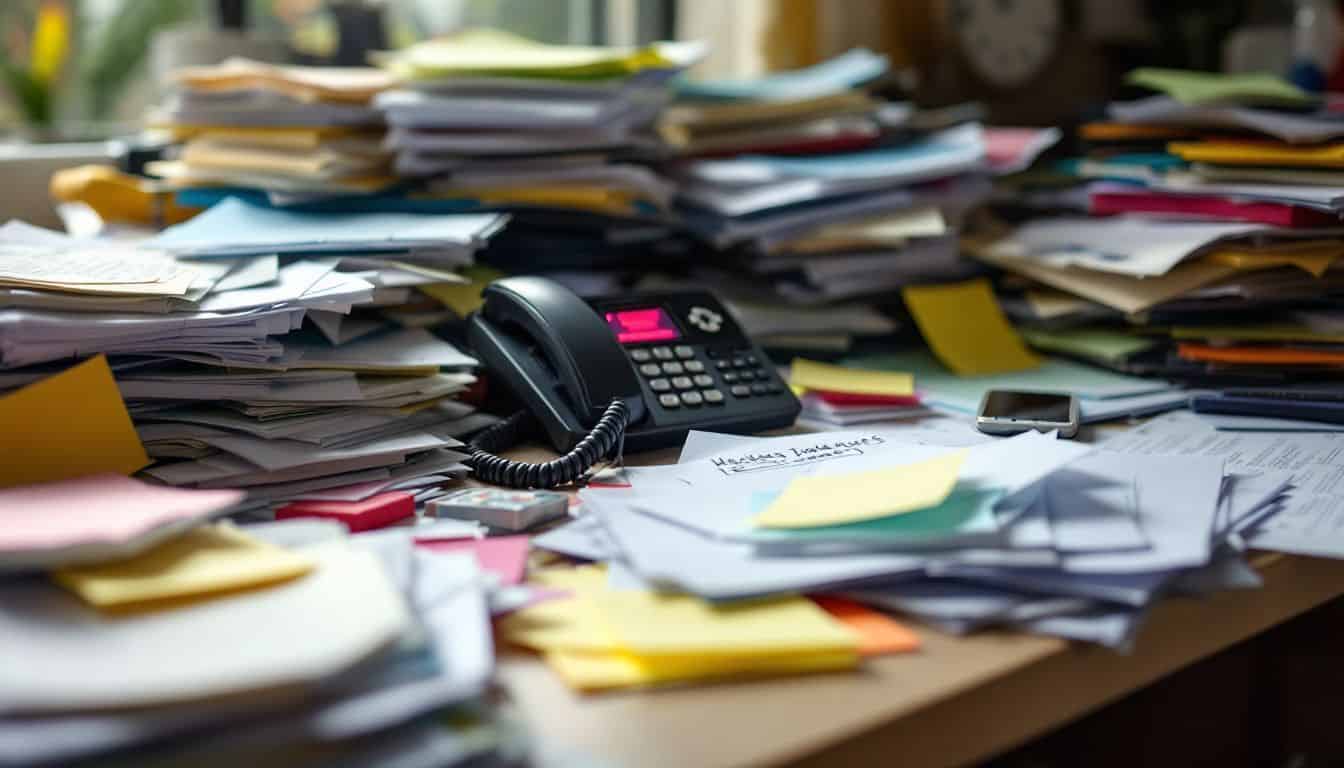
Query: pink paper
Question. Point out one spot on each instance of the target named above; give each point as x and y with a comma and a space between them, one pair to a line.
95, 509
503, 555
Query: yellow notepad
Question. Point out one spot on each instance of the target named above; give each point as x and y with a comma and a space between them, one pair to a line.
810, 374
966, 330
1259, 153
71, 424
597, 672
209, 560
853, 497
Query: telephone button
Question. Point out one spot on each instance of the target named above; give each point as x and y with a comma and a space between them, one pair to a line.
640, 355
746, 375
712, 396
683, 352
704, 380
694, 366
662, 353
673, 369
741, 390
681, 382
729, 377
759, 389
660, 385
723, 365
650, 369
692, 398
774, 387
669, 401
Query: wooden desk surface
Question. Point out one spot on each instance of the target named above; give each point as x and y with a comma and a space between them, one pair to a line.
913, 709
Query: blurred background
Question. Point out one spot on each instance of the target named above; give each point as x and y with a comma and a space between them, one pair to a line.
78, 72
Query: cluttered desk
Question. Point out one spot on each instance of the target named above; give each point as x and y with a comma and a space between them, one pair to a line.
526, 404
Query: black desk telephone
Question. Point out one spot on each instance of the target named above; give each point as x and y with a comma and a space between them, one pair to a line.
633, 372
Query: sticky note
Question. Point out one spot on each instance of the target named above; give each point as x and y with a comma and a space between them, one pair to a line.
653, 624
70, 424
463, 298
606, 671
878, 633
39, 523
966, 330
1247, 89
854, 497
812, 375
376, 511
205, 561
505, 556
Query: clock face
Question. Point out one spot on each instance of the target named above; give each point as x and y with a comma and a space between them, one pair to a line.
1006, 43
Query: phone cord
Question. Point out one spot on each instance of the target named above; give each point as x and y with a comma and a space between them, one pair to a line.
607, 439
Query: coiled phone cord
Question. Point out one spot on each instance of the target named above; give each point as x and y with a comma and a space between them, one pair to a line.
607, 439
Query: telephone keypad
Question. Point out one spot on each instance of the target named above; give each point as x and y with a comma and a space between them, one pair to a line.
685, 376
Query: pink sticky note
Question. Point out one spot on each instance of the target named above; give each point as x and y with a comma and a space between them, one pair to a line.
106, 509
504, 555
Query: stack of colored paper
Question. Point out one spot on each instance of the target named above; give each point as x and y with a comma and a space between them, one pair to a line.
1189, 227
930, 519
158, 631
290, 132
607, 636
844, 396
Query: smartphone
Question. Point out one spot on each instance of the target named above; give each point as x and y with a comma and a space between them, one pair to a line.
1006, 412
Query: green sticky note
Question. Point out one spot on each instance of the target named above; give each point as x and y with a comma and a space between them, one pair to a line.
967, 510
1105, 345
1250, 89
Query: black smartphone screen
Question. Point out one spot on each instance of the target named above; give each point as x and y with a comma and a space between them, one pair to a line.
1027, 406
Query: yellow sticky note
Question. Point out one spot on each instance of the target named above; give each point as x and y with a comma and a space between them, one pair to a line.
650, 624
209, 560
463, 298
67, 425
605, 671
810, 374
853, 497
966, 330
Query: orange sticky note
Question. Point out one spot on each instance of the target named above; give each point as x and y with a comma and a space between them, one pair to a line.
71, 424
878, 633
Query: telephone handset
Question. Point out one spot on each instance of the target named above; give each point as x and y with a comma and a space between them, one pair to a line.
633, 372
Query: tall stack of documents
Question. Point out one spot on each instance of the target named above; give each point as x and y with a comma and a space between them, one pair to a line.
291, 133
151, 633
234, 341
816, 191
935, 521
558, 134
1190, 254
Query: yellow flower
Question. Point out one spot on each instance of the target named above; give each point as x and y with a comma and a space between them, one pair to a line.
51, 42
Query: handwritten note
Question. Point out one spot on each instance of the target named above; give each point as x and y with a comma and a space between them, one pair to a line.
825, 377
966, 330
68, 425
853, 497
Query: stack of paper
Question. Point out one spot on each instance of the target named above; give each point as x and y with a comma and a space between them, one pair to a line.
1031, 532
1191, 228
300, 639
274, 367
289, 131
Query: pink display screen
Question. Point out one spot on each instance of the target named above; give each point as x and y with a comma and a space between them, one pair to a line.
632, 326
